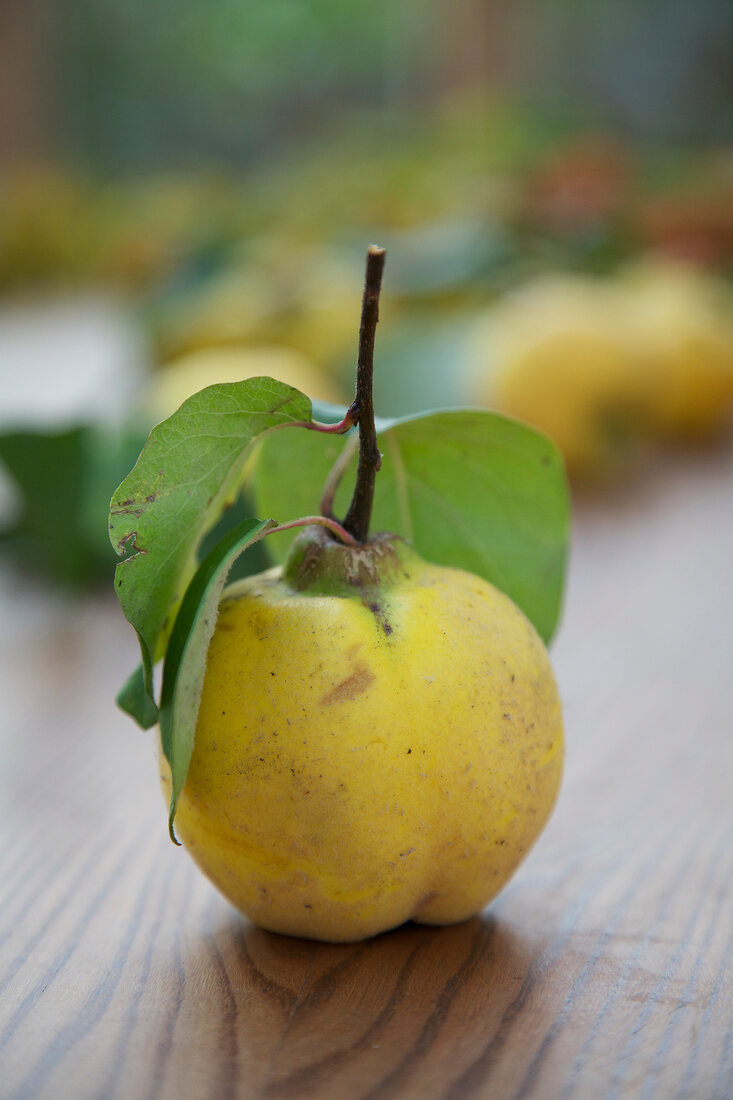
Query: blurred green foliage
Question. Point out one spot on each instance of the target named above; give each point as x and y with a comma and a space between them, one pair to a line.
149, 84
165, 83
65, 479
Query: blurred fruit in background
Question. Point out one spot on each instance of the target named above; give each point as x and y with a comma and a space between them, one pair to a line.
42, 236
147, 229
556, 353
604, 364
681, 322
273, 291
231, 305
60, 228
175, 382
324, 302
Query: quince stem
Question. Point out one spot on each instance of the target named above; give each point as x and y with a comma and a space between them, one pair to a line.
361, 410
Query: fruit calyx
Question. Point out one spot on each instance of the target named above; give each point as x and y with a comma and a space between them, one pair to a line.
320, 565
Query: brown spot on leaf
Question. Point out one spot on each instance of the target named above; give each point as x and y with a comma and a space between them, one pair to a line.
127, 512
351, 687
127, 547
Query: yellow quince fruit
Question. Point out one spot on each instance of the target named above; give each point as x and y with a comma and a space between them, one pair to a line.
172, 384
556, 353
379, 739
680, 320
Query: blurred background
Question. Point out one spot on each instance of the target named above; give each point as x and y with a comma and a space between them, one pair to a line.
187, 191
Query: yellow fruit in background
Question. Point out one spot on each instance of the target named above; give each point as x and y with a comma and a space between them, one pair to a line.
379, 739
178, 380
44, 227
233, 307
319, 320
681, 321
299, 297
556, 354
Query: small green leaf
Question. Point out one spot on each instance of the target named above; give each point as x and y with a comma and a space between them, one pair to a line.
185, 659
469, 488
134, 698
189, 472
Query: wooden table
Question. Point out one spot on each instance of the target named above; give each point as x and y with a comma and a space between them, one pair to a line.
604, 969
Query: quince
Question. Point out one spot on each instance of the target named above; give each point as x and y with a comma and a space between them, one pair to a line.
233, 307
556, 354
679, 318
318, 319
379, 739
184, 376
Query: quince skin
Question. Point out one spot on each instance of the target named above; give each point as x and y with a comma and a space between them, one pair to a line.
379, 739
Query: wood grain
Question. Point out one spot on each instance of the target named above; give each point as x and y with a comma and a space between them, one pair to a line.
604, 970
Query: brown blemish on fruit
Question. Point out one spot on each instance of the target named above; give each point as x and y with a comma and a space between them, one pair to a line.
349, 688
380, 615
425, 900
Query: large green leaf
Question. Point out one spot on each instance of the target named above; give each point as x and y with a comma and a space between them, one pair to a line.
185, 659
469, 488
189, 472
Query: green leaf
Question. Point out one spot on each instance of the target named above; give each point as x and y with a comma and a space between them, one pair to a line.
189, 472
185, 659
469, 488
134, 698
411, 374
